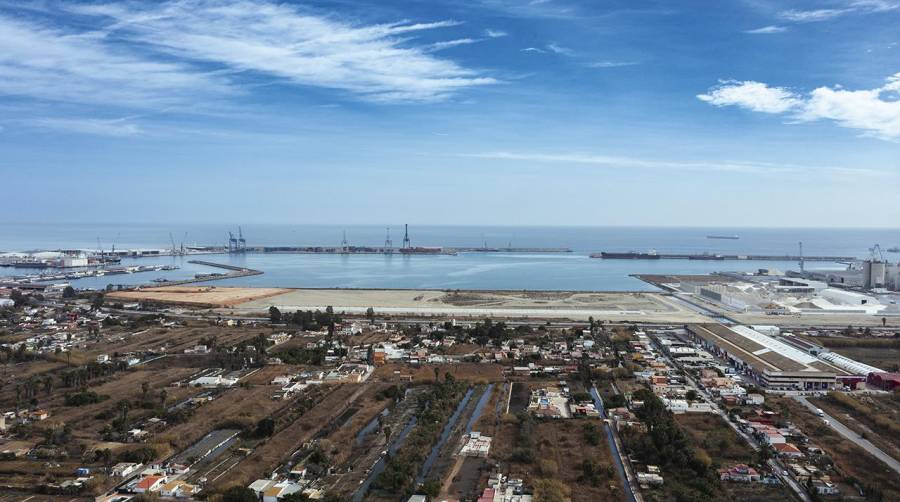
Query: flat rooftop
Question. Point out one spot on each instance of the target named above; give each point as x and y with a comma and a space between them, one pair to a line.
762, 352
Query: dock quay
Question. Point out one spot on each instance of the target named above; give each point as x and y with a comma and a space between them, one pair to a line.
718, 257
350, 250
510, 250
81, 274
233, 273
449, 250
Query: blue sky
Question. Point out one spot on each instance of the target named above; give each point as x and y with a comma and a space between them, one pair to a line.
542, 112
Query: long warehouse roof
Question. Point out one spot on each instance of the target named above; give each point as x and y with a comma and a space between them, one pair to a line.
762, 352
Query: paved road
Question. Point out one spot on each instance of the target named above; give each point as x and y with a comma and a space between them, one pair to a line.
775, 464
843, 430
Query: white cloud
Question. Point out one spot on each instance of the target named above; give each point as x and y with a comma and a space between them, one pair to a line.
767, 30
144, 54
52, 64
495, 33
611, 64
558, 49
754, 96
115, 127
281, 41
852, 7
553, 47
812, 16
876, 5
876, 111
439, 46
620, 162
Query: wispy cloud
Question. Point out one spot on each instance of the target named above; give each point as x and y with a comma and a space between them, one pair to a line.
623, 162
495, 33
851, 7
551, 48
812, 16
71, 66
767, 30
144, 54
610, 64
439, 46
559, 49
115, 127
533, 8
876, 111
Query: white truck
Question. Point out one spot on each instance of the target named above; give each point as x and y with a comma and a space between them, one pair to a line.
819, 412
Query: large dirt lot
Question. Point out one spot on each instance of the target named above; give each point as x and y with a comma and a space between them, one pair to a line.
200, 296
649, 307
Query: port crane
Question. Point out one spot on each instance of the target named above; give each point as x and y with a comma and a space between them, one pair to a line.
388, 243
406, 242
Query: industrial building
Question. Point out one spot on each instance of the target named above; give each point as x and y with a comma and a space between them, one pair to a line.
773, 364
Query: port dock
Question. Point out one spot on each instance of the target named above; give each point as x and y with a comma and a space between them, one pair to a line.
718, 257
233, 273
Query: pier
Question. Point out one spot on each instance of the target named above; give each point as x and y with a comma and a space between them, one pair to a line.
719, 257
233, 273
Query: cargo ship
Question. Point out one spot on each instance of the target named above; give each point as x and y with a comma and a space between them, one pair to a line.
706, 256
730, 237
631, 255
422, 250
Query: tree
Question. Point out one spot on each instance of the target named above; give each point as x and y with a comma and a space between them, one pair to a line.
691, 396
265, 427
163, 394
551, 490
370, 313
239, 494
432, 488
145, 388
274, 315
69, 292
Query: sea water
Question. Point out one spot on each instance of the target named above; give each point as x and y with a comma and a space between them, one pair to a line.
533, 271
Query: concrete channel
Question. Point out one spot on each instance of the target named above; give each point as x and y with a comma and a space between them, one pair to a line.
624, 471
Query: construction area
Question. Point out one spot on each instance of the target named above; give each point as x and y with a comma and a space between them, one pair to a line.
196, 296
646, 307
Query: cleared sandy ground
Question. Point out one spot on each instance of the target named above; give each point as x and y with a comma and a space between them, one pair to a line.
647, 307
201, 296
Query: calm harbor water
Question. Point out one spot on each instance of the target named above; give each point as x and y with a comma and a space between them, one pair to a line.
541, 271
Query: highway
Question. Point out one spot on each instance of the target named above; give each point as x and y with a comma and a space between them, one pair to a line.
863, 443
